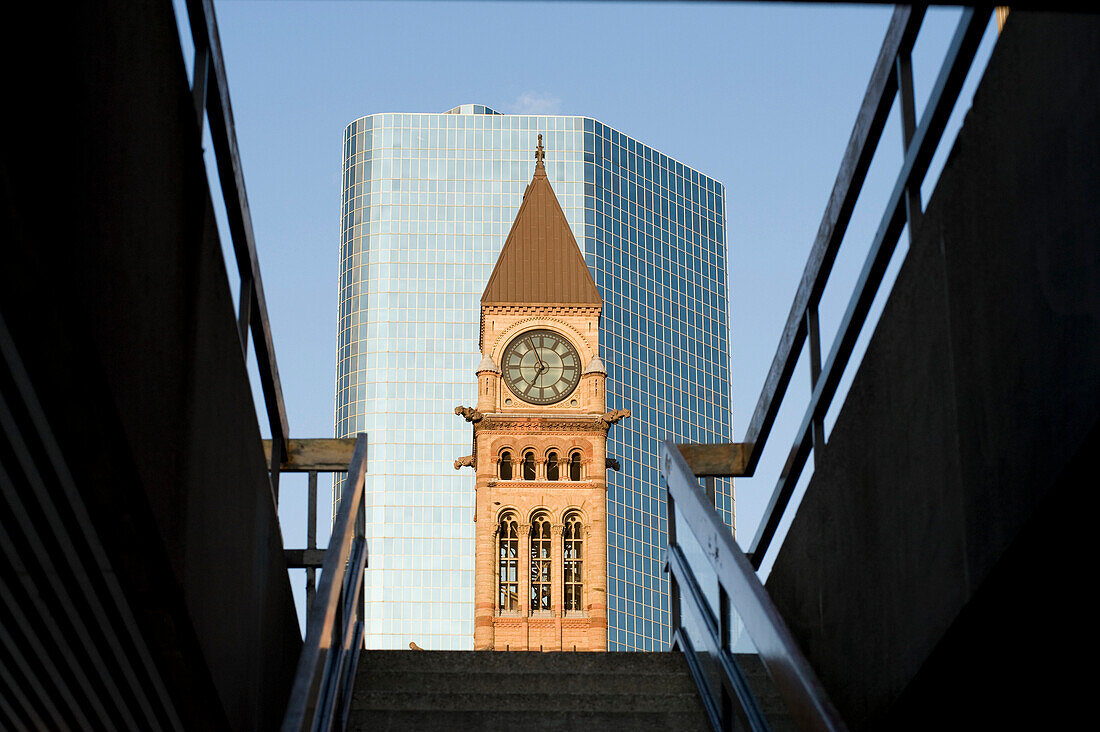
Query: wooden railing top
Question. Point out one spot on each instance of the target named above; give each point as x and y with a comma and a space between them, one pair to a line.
320, 454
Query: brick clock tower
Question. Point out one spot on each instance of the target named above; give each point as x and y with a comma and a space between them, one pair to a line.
540, 435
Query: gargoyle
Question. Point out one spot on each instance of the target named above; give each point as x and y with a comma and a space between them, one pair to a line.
469, 413
612, 463
610, 418
465, 462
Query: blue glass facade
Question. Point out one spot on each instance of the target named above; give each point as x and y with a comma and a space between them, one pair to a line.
427, 203
655, 242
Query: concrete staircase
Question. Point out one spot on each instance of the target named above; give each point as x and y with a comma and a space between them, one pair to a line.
471, 690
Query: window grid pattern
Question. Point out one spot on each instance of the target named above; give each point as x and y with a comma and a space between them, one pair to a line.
655, 242
572, 563
528, 465
540, 564
508, 564
427, 203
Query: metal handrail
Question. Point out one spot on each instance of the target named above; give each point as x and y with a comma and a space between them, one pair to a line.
210, 91
683, 465
892, 75
334, 629
803, 694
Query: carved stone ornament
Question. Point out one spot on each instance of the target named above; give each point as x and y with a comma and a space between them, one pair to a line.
613, 416
506, 424
611, 463
465, 462
469, 413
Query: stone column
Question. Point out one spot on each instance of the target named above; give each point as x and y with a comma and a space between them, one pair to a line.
557, 578
596, 468
595, 593
524, 571
484, 589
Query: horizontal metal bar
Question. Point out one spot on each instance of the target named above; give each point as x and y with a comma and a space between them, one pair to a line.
806, 699
301, 558
862, 144
321, 617
204, 32
717, 459
320, 454
941, 102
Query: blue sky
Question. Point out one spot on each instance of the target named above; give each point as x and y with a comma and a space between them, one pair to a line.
760, 97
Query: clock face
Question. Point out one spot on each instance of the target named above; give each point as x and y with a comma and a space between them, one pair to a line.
541, 367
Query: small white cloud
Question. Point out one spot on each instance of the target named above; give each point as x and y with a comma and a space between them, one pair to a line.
536, 103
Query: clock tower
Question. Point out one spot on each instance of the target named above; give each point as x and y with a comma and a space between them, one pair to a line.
540, 435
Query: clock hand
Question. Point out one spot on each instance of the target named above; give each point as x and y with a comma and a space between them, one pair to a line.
542, 366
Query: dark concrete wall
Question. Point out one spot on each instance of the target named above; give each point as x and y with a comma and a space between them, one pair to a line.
947, 499
115, 291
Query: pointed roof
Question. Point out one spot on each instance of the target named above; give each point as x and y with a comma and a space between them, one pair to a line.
487, 365
540, 262
595, 366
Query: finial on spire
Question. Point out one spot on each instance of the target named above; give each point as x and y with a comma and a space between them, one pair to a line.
539, 152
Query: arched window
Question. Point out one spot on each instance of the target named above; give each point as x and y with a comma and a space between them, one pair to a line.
553, 472
505, 465
572, 562
529, 465
540, 562
575, 466
508, 558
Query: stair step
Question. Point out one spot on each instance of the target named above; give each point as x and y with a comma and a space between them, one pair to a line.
523, 701
384, 679
519, 661
507, 721
476, 690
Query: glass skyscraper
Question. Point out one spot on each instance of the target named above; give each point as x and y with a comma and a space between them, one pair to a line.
428, 200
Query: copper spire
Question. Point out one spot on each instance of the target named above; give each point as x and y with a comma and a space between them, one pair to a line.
540, 263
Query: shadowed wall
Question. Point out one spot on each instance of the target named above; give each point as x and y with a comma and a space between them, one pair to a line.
931, 565
115, 292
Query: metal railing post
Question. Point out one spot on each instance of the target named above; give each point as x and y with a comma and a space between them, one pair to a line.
904, 68
199, 82
311, 538
673, 587
277, 448
724, 646
818, 424
244, 315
